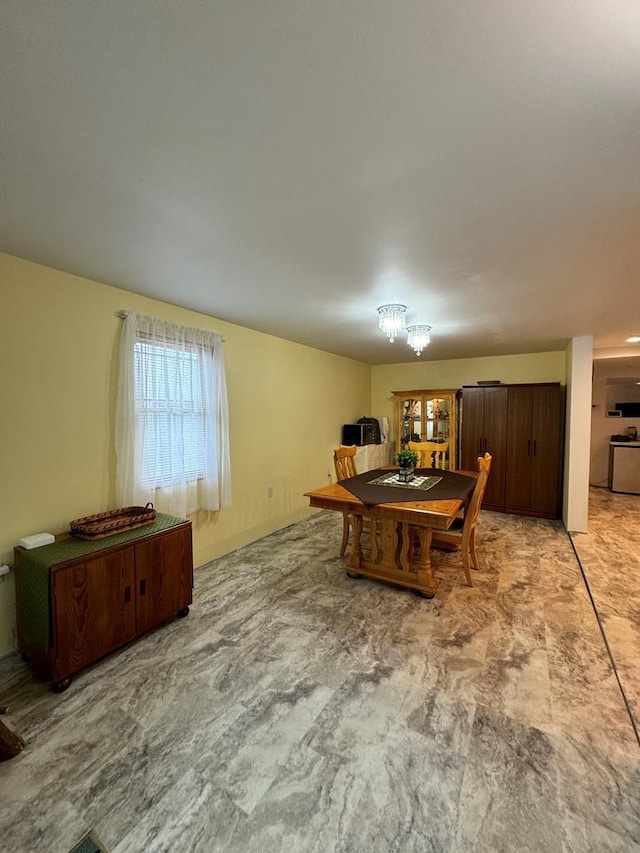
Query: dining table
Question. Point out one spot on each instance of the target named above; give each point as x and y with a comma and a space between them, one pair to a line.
401, 518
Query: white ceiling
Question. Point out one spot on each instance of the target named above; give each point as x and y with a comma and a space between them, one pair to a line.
290, 165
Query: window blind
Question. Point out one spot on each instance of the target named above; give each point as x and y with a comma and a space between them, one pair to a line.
170, 411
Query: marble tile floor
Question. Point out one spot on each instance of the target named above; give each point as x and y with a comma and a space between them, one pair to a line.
610, 558
298, 710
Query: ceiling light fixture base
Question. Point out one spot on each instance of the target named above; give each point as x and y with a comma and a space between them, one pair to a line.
391, 319
418, 337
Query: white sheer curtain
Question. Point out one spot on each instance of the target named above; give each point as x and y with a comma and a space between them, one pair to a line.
172, 420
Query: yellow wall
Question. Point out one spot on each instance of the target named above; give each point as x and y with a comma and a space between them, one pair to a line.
386, 378
58, 357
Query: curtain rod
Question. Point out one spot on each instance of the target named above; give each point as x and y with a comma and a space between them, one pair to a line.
124, 314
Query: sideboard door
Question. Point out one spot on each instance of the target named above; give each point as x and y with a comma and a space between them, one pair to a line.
164, 577
93, 606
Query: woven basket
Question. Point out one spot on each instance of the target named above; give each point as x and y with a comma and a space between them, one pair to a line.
104, 524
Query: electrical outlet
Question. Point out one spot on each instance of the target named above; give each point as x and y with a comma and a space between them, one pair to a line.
270, 491
329, 477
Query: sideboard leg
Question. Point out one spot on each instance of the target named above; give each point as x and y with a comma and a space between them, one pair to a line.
61, 686
183, 612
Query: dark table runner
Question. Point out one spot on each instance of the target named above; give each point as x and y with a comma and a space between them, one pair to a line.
452, 486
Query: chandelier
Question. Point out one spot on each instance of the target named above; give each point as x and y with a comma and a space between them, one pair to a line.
391, 319
418, 337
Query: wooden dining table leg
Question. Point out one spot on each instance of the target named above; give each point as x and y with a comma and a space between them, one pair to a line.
355, 559
375, 540
428, 584
404, 533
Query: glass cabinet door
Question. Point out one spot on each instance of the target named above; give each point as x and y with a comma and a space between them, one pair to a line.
411, 421
436, 427
427, 416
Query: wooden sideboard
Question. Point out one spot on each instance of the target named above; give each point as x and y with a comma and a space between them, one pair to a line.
77, 601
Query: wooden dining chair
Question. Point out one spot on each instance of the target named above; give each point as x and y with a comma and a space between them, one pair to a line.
462, 533
484, 462
433, 454
344, 459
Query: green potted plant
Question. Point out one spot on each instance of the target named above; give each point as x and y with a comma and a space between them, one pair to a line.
407, 460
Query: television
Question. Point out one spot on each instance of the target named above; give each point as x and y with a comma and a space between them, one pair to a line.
359, 434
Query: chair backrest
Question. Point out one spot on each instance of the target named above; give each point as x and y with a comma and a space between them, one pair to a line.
344, 458
433, 454
484, 462
471, 515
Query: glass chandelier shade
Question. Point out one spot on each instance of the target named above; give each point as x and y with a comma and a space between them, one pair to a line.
391, 319
418, 337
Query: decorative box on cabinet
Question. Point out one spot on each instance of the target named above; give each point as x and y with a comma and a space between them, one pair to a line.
77, 600
427, 416
522, 426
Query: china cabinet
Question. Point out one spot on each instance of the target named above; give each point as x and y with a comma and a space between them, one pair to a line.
427, 415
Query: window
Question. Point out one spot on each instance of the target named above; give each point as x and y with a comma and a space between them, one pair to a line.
172, 429
170, 412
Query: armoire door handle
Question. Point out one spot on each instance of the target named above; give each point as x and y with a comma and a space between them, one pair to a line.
143, 587
535, 447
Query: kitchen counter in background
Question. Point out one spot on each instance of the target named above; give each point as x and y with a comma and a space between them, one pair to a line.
624, 466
